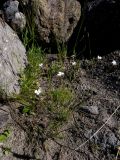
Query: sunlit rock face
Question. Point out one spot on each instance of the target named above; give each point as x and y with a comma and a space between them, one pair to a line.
12, 59
55, 19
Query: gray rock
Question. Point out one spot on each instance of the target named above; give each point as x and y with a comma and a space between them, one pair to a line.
1, 152
107, 140
10, 8
55, 19
111, 123
16, 19
88, 133
90, 109
12, 59
4, 115
111, 139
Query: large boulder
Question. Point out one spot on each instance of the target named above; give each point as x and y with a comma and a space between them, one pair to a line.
12, 59
55, 19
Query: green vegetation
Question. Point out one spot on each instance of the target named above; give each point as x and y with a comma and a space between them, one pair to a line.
44, 95
4, 135
29, 79
62, 95
6, 151
43, 92
53, 69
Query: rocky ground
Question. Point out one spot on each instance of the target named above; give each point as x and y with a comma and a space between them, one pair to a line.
97, 83
92, 131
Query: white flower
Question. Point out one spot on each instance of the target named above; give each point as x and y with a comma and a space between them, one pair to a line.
114, 63
60, 74
74, 63
38, 92
99, 57
41, 65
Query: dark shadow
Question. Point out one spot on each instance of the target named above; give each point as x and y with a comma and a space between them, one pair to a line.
78, 42
100, 30
1, 3
24, 157
103, 25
